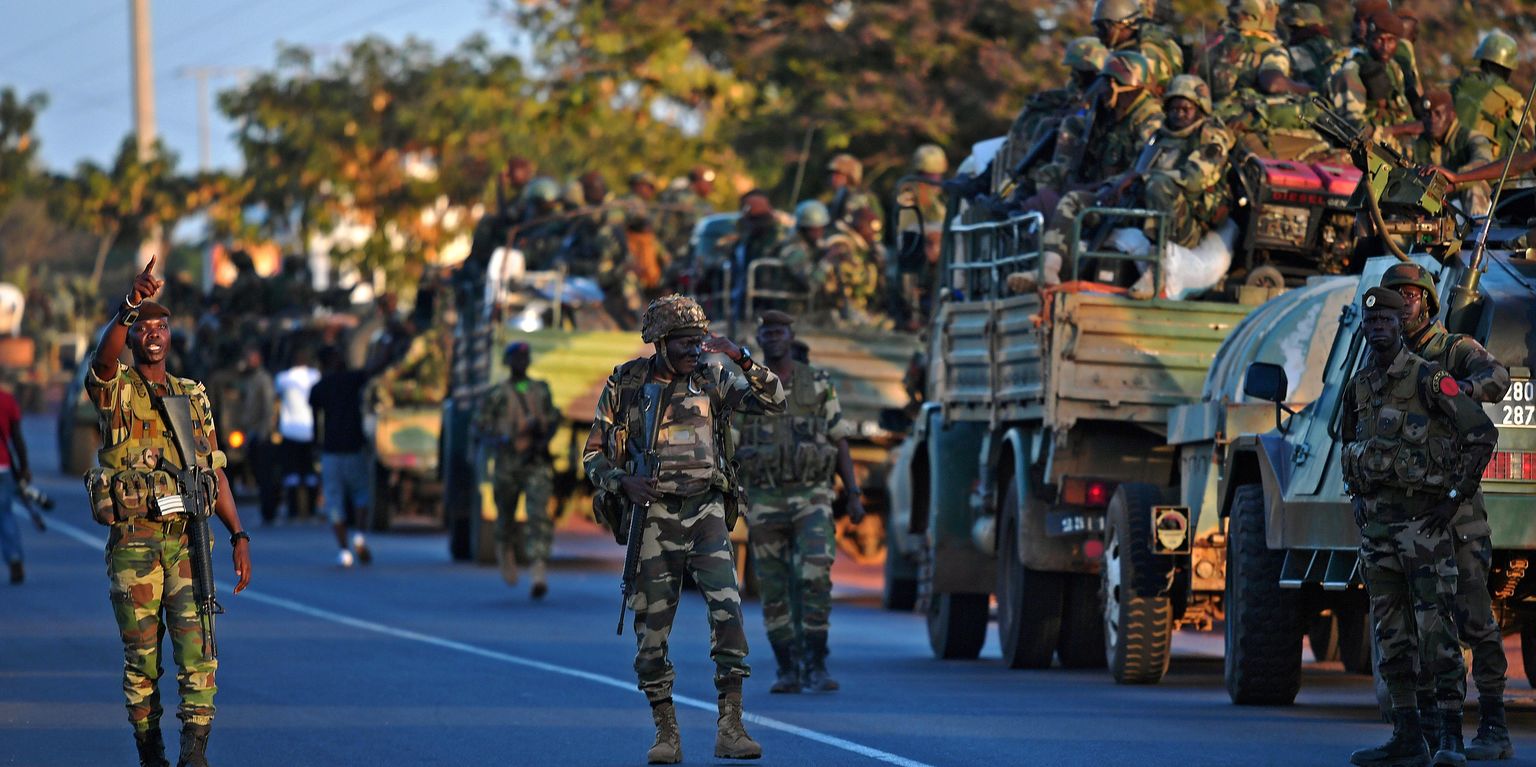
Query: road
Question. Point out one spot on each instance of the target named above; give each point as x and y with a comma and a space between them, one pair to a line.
417, 660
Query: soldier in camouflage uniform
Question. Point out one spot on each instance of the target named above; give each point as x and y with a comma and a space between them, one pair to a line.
421, 376
787, 463
1369, 86
847, 195
148, 552
597, 247
513, 425
1414, 448
1183, 172
801, 248
1311, 46
1038, 123
683, 206
540, 232
1485, 103
1249, 58
1447, 143
1484, 379
847, 280
1122, 25
921, 208
690, 505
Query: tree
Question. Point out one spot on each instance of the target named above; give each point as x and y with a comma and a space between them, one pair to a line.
123, 203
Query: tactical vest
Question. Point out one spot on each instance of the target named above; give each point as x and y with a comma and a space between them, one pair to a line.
139, 455
1234, 62
693, 448
1398, 443
791, 449
1487, 105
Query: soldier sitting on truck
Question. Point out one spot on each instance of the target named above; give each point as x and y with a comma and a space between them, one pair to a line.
1249, 57
1447, 143
1369, 87
1485, 103
1122, 25
1311, 47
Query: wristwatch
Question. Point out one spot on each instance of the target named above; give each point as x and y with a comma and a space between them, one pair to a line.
238, 537
127, 314
746, 359
1454, 495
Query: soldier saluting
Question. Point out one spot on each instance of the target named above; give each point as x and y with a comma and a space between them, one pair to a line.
149, 553
1415, 446
689, 506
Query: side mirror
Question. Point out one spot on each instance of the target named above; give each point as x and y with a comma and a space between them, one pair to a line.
1266, 381
895, 420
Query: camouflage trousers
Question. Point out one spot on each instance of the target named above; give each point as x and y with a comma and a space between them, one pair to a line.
1164, 194
793, 544
150, 570
687, 535
1473, 606
1411, 577
531, 539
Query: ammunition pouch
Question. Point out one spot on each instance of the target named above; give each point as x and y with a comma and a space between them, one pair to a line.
98, 488
612, 510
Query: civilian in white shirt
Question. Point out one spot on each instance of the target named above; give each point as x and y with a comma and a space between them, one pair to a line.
296, 433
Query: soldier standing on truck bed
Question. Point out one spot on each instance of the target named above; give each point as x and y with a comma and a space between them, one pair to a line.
1414, 448
787, 463
1482, 378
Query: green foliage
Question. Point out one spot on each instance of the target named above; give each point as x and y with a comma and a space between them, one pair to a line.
18, 147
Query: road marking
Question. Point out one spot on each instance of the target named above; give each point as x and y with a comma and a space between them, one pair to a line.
469, 649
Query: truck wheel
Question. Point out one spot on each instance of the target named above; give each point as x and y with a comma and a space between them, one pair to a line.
1134, 582
1029, 602
1355, 638
957, 625
900, 592
1263, 663
1323, 637
1082, 623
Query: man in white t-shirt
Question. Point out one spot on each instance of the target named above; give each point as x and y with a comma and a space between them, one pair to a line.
296, 433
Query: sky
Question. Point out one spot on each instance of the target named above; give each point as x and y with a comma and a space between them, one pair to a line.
77, 52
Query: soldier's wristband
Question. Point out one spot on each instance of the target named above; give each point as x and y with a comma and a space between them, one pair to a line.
238, 537
127, 315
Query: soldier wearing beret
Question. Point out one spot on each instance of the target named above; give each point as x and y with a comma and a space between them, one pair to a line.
1414, 447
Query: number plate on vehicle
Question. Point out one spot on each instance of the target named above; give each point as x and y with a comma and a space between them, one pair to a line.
1518, 408
1073, 523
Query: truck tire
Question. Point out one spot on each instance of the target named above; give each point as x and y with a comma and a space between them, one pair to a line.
1137, 618
1355, 638
900, 591
1082, 623
1263, 654
1029, 602
957, 625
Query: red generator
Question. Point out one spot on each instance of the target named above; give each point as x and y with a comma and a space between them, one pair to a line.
1295, 220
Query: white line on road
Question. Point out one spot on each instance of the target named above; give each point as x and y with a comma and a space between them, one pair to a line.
469, 649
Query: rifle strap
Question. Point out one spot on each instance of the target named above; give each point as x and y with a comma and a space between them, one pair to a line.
176, 413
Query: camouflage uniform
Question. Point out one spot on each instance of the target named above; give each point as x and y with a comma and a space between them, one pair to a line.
1310, 59
847, 278
149, 560
787, 462
1165, 58
1240, 56
1183, 171
1347, 89
1091, 151
596, 247
1488, 106
688, 529
515, 421
680, 209
1410, 436
1462, 149
418, 378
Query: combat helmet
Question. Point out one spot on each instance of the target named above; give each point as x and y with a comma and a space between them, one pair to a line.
1399, 275
1085, 54
1498, 48
1303, 15
811, 213
1254, 13
1190, 87
929, 158
849, 166
1116, 11
670, 314
1129, 69
542, 189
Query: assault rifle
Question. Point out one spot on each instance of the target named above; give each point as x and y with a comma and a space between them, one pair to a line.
198, 487
642, 463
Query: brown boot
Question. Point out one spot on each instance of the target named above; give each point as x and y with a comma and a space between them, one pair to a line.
506, 560
731, 738
668, 748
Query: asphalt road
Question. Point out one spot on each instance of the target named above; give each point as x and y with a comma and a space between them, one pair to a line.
417, 660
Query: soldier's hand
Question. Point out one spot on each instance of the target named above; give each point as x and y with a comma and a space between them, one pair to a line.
1438, 521
855, 508
641, 490
242, 558
145, 285
718, 344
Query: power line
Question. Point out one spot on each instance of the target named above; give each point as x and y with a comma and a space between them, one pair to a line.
73, 30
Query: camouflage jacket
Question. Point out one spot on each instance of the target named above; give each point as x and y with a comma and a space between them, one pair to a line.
1488, 106
541, 242
1310, 59
690, 445
516, 420
1196, 160
1461, 150
1464, 358
850, 200
1040, 118
679, 210
1237, 59
1095, 147
418, 378
798, 446
1162, 50
849, 273
800, 259
1409, 428
1347, 88
928, 199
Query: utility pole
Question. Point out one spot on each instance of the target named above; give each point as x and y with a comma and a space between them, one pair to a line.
204, 137
143, 105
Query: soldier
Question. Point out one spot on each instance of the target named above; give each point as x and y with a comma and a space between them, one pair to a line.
514, 424
1122, 25
540, 231
1414, 448
847, 279
919, 225
758, 234
1248, 57
421, 376
148, 551
1039, 121
1186, 163
1311, 46
1369, 86
691, 504
845, 177
1484, 379
597, 247
683, 206
1485, 103
493, 228
787, 462
801, 249
1446, 143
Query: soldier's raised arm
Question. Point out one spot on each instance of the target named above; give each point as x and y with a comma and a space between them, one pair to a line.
115, 335
757, 391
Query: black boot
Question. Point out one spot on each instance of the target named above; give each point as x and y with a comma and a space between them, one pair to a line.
815, 678
1406, 747
1492, 741
194, 741
1451, 753
151, 746
789, 669
1429, 720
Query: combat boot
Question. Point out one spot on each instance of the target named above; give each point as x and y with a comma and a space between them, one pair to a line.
668, 748
151, 746
506, 561
1429, 722
789, 669
1492, 740
1451, 753
731, 738
816, 678
540, 580
194, 741
1405, 748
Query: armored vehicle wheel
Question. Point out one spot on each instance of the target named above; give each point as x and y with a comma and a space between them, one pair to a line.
1323, 637
900, 591
957, 625
1137, 617
1263, 654
1082, 623
1029, 602
1355, 638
